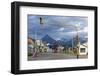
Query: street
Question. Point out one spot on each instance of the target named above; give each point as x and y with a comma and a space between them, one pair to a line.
55, 56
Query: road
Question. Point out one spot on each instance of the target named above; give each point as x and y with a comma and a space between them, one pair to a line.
55, 56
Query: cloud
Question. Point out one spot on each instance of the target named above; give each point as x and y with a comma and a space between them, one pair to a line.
84, 30
56, 26
61, 29
57, 38
86, 37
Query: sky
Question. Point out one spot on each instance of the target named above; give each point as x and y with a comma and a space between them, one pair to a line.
57, 27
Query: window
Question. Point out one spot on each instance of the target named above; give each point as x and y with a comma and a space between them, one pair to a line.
82, 50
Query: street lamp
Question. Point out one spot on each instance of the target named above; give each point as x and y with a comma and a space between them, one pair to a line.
77, 39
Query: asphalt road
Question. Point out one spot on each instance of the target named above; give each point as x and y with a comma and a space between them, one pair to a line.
55, 56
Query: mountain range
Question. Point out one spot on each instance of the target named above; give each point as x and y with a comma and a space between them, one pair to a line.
48, 39
63, 42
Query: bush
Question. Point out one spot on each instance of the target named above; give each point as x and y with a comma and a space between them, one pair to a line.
29, 54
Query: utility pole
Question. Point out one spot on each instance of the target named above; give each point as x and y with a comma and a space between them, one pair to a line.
77, 45
72, 43
77, 41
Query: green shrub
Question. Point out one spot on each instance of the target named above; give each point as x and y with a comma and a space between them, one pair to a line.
29, 54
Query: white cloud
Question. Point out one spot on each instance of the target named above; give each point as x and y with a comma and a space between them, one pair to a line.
84, 30
61, 29
58, 39
86, 37
71, 33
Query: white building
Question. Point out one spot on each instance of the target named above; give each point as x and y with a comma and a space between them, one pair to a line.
60, 48
43, 46
38, 42
83, 49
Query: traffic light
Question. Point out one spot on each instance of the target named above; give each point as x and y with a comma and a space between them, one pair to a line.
41, 20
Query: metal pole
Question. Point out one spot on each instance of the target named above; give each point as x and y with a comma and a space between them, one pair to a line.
77, 43
72, 43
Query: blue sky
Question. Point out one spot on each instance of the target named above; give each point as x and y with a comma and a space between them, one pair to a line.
57, 27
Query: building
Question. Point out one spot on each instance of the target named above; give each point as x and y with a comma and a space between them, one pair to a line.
31, 43
42, 46
83, 49
60, 48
